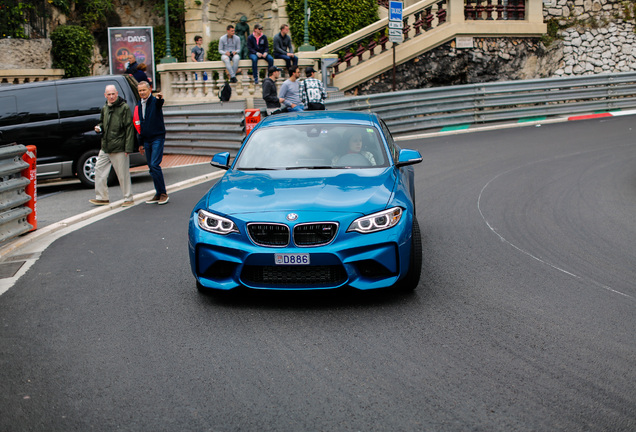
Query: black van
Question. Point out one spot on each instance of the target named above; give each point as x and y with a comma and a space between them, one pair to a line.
59, 117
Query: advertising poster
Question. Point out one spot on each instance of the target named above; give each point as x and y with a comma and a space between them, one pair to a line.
138, 41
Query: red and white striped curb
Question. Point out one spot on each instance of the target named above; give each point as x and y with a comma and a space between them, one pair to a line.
605, 114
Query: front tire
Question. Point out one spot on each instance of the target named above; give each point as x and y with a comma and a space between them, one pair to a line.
86, 169
412, 278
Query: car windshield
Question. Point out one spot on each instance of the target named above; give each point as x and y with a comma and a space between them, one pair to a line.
313, 147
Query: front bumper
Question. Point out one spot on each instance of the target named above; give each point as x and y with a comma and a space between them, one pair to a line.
361, 261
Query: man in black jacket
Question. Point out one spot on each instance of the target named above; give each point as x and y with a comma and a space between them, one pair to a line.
152, 136
270, 92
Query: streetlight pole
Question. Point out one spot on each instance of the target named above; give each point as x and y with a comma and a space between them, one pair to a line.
305, 46
168, 58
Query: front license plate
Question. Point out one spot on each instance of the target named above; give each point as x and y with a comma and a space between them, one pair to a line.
292, 259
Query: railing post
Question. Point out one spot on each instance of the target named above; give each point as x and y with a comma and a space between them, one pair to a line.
456, 11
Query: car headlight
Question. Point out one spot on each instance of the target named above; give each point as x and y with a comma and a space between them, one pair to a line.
216, 224
377, 221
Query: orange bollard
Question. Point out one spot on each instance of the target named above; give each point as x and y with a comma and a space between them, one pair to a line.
31, 189
252, 116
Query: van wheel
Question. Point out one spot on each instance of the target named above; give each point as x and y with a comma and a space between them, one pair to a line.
86, 168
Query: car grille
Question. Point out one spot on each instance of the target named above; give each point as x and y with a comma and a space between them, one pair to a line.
265, 234
294, 276
277, 235
315, 234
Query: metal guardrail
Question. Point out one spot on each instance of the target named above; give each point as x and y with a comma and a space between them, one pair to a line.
13, 212
416, 111
413, 111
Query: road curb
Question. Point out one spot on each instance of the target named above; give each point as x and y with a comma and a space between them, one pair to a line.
42, 234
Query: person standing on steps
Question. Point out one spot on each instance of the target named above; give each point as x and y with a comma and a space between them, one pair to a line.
118, 140
151, 137
270, 93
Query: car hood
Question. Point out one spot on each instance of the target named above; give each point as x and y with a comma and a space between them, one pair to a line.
360, 191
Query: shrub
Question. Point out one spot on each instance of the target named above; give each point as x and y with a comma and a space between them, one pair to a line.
177, 41
330, 19
213, 53
72, 49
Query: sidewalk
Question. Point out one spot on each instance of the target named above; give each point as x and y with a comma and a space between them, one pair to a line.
170, 161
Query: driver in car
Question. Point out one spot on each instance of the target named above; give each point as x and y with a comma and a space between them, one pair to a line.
355, 147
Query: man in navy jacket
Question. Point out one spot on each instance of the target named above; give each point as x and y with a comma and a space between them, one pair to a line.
258, 47
152, 136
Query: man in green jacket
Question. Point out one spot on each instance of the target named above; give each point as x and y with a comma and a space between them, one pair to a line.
118, 139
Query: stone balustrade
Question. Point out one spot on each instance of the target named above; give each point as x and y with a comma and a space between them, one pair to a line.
367, 53
193, 83
19, 76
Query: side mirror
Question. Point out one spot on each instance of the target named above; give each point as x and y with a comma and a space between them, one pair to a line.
408, 157
221, 160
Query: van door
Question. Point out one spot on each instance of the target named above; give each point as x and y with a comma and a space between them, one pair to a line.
8, 117
37, 119
80, 105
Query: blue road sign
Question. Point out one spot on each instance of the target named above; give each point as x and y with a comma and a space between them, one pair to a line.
395, 10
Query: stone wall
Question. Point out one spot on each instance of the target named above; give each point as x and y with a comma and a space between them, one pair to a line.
595, 36
210, 18
592, 51
25, 53
601, 10
491, 59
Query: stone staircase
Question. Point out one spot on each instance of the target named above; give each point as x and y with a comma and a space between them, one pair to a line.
204, 129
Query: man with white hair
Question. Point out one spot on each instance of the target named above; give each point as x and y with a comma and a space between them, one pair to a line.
118, 139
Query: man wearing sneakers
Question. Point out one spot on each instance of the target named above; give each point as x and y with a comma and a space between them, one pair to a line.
118, 139
230, 50
151, 137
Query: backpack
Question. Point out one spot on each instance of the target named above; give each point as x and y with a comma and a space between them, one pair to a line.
225, 93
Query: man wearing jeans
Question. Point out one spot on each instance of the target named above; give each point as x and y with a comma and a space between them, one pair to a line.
283, 47
230, 50
258, 47
151, 137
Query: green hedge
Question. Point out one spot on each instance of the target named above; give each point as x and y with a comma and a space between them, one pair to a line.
330, 19
177, 41
72, 49
213, 53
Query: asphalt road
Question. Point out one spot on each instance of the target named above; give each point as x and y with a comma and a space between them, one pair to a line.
523, 320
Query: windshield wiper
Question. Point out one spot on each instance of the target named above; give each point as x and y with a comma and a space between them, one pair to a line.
257, 169
310, 167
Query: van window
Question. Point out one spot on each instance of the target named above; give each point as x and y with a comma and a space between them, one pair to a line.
83, 98
8, 110
38, 103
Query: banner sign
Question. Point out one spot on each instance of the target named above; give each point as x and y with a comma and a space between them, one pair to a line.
138, 41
